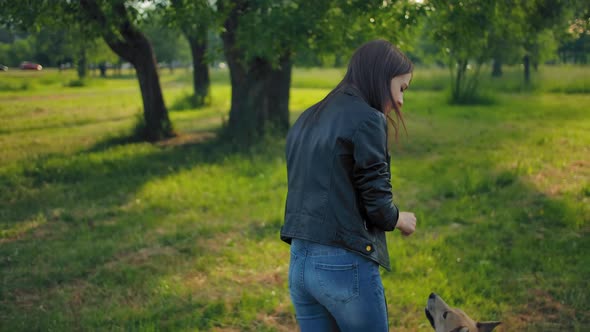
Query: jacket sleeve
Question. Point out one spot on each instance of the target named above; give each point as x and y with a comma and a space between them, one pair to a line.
371, 172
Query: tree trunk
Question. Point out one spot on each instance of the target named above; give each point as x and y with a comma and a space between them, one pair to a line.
561, 56
260, 93
103, 69
201, 81
260, 99
157, 123
82, 64
527, 70
497, 68
278, 93
472, 83
338, 60
457, 94
132, 45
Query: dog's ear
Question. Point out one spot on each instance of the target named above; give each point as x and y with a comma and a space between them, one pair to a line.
486, 326
464, 329
461, 329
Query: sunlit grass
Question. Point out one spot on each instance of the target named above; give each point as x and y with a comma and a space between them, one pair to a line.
560, 79
181, 236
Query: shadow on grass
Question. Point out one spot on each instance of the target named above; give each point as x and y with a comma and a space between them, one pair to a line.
113, 169
93, 246
128, 75
30, 130
191, 102
95, 257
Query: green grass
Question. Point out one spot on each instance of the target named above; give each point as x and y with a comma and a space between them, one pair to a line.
555, 79
183, 235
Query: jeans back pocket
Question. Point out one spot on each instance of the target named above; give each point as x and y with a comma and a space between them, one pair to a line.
338, 282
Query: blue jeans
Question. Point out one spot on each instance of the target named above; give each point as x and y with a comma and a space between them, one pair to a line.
334, 289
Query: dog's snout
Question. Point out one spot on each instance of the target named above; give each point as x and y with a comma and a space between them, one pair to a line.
432, 296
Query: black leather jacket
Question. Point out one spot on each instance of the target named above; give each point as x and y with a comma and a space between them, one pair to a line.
339, 189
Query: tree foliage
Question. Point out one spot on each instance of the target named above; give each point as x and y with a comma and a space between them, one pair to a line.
575, 41
543, 19
469, 33
262, 38
461, 29
116, 22
167, 41
195, 18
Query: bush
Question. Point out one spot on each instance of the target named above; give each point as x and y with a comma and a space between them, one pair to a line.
7, 86
190, 101
76, 83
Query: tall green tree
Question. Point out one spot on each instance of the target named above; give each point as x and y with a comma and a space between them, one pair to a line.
347, 24
116, 22
11, 54
80, 41
261, 38
541, 20
575, 40
194, 18
100, 54
528, 31
126, 40
167, 41
506, 35
461, 29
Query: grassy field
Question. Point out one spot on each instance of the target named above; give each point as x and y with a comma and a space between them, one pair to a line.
183, 235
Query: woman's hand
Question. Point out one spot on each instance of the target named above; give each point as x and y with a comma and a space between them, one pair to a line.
406, 223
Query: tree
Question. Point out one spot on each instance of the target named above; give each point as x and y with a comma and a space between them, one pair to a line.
347, 24
194, 18
258, 48
527, 31
542, 18
461, 29
575, 41
261, 38
79, 40
129, 43
115, 21
167, 41
100, 54
12, 54
506, 35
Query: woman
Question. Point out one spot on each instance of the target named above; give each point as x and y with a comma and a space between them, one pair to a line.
339, 201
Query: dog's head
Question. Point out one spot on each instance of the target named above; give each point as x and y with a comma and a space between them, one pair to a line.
446, 319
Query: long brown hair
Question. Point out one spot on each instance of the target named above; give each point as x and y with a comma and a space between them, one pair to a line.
370, 70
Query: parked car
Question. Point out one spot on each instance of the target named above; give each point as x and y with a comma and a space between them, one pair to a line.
3, 68
30, 66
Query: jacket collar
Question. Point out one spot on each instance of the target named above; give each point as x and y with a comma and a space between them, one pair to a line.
351, 90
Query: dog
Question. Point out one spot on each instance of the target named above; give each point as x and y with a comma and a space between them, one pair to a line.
446, 319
